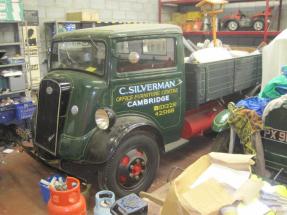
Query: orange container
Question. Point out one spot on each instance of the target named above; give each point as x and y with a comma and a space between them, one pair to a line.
69, 202
197, 26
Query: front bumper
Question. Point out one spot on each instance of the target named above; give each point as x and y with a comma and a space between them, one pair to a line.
77, 170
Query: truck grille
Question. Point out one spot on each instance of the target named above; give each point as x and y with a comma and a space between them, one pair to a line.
52, 107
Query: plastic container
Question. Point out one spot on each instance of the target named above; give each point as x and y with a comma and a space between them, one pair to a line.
45, 191
25, 110
69, 202
7, 114
104, 200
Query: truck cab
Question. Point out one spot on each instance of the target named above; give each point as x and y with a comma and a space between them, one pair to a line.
113, 99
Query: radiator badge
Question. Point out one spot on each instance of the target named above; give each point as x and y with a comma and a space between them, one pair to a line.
49, 90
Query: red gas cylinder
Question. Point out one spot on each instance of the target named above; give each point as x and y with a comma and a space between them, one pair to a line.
68, 202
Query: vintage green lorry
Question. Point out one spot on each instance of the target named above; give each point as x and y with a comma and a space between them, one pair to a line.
116, 97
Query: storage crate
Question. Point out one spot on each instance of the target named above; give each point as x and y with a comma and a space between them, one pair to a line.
17, 83
7, 114
25, 110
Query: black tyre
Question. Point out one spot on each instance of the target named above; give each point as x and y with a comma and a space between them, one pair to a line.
221, 143
258, 25
133, 166
232, 25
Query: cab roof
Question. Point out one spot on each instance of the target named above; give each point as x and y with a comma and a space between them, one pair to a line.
124, 30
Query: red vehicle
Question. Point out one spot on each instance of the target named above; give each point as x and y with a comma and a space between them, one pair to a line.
240, 20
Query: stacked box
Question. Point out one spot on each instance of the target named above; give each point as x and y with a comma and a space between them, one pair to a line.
11, 10
82, 16
193, 16
178, 18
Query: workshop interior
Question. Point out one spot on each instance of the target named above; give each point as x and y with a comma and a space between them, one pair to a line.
143, 107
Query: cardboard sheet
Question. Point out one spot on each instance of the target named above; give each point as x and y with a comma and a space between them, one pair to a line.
255, 207
207, 198
249, 191
222, 174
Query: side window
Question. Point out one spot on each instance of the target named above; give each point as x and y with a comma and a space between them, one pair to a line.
137, 55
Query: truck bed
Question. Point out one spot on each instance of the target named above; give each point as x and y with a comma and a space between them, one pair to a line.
210, 81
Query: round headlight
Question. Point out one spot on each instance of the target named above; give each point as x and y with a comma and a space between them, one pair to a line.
104, 118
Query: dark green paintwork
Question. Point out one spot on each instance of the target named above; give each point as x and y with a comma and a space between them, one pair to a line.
274, 139
81, 139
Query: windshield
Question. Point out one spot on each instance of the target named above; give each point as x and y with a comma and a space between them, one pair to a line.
79, 55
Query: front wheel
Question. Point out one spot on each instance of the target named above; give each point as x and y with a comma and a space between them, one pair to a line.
133, 166
258, 25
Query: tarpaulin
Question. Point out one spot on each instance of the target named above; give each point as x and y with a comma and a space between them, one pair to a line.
254, 103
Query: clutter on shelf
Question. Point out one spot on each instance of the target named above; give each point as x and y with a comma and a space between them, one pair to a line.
239, 20
6, 60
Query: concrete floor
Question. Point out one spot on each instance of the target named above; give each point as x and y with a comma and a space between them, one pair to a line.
19, 177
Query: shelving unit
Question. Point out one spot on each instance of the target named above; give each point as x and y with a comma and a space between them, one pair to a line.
11, 41
264, 34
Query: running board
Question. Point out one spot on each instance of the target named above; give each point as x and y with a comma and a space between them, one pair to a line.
171, 146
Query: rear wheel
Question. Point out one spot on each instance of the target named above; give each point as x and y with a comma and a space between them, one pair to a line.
232, 25
133, 167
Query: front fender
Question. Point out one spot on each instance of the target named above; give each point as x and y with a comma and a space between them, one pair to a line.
104, 143
220, 122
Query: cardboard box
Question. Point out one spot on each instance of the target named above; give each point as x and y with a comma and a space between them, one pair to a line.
82, 16
193, 16
178, 18
208, 197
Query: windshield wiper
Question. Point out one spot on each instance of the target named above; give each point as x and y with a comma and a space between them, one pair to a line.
67, 54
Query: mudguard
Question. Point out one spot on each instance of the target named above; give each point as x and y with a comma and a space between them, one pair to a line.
220, 122
104, 143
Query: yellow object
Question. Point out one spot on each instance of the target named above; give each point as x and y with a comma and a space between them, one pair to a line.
91, 69
281, 190
212, 8
178, 18
82, 16
193, 16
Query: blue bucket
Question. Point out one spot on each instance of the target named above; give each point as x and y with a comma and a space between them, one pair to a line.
45, 191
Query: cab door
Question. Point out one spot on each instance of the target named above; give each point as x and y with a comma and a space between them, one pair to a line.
148, 80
